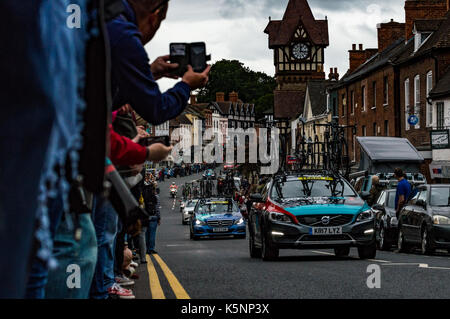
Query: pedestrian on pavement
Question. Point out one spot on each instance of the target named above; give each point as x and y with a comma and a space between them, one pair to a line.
375, 190
403, 190
152, 206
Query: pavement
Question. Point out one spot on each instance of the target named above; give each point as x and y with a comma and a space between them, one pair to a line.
222, 269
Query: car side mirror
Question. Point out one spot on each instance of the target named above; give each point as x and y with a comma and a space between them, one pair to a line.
421, 203
257, 198
365, 195
378, 207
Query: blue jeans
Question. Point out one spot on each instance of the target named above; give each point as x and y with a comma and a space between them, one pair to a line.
38, 276
151, 234
27, 97
105, 222
67, 252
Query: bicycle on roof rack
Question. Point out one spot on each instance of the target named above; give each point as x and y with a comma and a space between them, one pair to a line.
330, 154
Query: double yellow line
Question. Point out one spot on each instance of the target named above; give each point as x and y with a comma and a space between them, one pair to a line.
155, 285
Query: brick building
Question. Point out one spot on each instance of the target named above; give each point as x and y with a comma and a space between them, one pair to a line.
386, 90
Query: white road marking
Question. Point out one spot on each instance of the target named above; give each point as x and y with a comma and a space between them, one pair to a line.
425, 266
322, 252
402, 264
379, 261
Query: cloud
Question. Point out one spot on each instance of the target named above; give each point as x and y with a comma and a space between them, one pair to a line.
233, 29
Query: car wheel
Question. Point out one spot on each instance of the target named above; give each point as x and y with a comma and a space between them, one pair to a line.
269, 252
403, 247
382, 243
342, 251
367, 252
425, 246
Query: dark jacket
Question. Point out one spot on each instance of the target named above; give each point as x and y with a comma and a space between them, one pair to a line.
132, 80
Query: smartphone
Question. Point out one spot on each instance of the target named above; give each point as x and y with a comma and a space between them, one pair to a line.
179, 53
189, 53
198, 56
147, 141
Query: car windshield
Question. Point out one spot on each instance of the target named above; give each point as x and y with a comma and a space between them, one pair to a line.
440, 196
191, 204
305, 187
217, 207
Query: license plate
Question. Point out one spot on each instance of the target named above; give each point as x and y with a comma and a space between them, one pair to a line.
220, 230
325, 231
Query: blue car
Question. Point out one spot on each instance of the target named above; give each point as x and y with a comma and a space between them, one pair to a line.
217, 217
310, 211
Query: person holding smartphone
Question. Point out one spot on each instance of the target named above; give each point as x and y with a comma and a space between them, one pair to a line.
133, 78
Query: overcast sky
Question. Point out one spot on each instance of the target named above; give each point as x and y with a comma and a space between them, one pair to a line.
233, 29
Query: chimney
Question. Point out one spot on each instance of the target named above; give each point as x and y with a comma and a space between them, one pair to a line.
220, 97
334, 75
193, 99
388, 33
357, 57
423, 10
233, 96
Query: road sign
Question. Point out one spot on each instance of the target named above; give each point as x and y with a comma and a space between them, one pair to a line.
291, 159
413, 120
440, 139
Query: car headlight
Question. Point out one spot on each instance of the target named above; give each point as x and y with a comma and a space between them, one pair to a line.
441, 220
239, 221
365, 215
279, 217
199, 222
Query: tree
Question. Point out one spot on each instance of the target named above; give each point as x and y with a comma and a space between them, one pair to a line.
231, 75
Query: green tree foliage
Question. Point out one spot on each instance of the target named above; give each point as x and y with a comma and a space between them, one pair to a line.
231, 75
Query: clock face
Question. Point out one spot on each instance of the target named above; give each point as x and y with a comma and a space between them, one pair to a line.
300, 51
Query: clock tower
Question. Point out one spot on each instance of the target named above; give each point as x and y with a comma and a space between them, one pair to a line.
298, 42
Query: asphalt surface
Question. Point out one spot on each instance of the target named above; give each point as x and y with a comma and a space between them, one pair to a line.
223, 269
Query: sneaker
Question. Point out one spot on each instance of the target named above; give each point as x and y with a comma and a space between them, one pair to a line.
134, 276
120, 292
134, 264
124, 281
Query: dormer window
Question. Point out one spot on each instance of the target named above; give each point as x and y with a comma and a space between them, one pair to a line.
420, 38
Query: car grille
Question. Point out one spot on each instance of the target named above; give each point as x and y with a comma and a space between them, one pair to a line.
220, 223
316, 220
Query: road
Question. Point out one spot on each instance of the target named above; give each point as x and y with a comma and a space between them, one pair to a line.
223, 269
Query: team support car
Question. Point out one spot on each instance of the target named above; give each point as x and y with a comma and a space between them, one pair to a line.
425, 221
187, 210
209, 173
310, 211
217, 217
